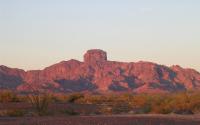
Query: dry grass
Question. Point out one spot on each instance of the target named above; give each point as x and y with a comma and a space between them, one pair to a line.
41, 103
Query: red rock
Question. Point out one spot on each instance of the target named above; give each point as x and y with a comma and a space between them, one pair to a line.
95, 55
96, 73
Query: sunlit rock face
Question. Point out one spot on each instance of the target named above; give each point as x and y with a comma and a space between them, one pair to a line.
95, 55
97, 74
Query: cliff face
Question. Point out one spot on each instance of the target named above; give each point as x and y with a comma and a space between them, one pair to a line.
96, 73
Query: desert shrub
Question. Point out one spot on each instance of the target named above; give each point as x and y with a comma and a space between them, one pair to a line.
104, 99
195, 102
3, 113
12, 113
121, 107
106, 110
16, 113
113, 104
179, 103
96, 99
162, 106
40, 99
70, 111
40, 102
114, 108
90, 99
182, 103
187, 102
74, 97
8, 96
142, 103
60, 98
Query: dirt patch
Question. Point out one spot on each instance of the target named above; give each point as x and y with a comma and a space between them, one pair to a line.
104, 120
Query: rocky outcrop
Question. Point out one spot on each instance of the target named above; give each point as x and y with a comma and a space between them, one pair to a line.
97, 73
94, 56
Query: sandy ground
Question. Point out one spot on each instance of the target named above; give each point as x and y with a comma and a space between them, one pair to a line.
104, 120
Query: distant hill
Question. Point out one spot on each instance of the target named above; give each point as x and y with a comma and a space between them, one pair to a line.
98, 74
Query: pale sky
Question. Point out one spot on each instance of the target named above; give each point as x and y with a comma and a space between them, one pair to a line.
37, 33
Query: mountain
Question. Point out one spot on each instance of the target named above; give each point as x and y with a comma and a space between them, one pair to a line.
98, 74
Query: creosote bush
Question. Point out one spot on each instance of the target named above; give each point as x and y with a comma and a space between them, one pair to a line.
40, 102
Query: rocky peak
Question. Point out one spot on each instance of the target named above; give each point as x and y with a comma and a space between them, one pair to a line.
98, 74
95, 55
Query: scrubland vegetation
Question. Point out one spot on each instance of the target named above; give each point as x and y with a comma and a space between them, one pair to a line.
45, 104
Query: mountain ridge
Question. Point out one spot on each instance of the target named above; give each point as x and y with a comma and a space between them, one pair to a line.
97, 73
